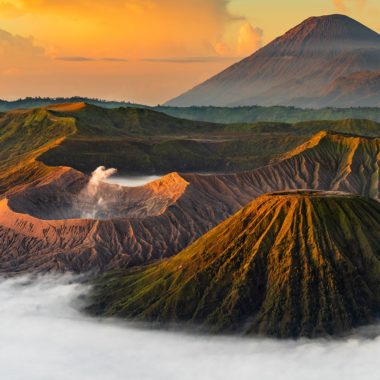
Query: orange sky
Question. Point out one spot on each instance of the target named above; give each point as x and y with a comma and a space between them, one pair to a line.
145, 51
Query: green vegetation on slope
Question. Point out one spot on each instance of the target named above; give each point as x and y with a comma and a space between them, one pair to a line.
143, 141
24, 136
224, 115
287, 265
253, 114
39, 102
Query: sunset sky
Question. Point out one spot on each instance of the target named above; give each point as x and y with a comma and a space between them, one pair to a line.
144, 51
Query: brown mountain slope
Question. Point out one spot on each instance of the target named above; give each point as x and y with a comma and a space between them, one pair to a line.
293, 67
289, 264
60, 225
345, 91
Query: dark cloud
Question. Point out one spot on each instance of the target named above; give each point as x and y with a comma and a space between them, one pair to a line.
75, 59
190, 59
89, 59
114, 59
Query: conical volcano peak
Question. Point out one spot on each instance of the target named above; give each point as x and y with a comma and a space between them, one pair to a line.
335, 30
289, 264
295, 68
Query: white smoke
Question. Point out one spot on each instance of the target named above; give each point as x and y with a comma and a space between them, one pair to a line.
98, 176
44, 337
90, 199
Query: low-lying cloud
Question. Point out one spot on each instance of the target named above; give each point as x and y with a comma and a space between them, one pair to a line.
44, 337
189, 59
89, 59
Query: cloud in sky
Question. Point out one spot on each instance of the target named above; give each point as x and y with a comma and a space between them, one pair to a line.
18, 51
99, 34
135, 27
44, 336
190, 59
249, 39
345, 5
84, 40
10, 9
76, 58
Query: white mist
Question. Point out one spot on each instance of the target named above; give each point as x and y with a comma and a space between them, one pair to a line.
44, 337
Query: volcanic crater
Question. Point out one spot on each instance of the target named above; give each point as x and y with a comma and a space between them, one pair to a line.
83, 197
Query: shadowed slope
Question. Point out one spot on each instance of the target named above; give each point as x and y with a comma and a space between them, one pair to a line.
357, 88
142, 141
288, 265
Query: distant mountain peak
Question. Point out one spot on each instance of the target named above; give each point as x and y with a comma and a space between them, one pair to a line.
332, 31
295, 68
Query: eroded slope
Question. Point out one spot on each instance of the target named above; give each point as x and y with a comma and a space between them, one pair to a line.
56, 225
289, 264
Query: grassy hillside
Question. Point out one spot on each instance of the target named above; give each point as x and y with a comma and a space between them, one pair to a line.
225, 115
252, 114
143, 141
24, 136
287, 265
38, 102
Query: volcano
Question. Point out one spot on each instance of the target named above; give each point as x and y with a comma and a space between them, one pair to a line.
297, 68
289, 264
58, 224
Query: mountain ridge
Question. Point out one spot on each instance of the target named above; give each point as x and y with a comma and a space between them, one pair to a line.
55, 228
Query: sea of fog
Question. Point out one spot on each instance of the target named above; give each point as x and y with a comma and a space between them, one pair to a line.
44, 336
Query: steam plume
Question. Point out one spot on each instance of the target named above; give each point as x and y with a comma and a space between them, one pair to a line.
91, 199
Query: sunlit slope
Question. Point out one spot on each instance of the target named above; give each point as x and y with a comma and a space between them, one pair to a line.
327, 161
224, 115
287, 265
24, 136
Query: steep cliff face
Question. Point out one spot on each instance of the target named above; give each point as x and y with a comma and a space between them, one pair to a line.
294, 67
289, 264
